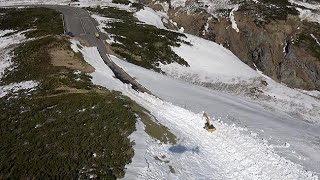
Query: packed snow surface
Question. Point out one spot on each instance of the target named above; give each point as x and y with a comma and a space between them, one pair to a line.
228, 153
149, 16
213, 66
270, 125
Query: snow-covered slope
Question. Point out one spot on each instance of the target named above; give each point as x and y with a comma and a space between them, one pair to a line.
277, 114
149, 16
6, 43
272, 126
228, 153
209, 62
213, 66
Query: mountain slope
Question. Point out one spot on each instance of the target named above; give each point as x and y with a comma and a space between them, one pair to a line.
225, 154
264, 34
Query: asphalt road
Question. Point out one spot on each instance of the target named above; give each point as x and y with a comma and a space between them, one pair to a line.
79, 22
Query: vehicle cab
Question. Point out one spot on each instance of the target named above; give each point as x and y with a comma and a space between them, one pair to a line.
97, 35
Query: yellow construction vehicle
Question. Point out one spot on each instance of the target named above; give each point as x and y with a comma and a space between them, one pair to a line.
97, 35
208, 125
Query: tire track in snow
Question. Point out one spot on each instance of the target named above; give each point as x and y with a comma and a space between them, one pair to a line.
224, 154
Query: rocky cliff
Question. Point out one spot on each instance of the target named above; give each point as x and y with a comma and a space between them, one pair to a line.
275, 36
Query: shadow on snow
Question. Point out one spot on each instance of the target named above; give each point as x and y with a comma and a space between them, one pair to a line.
182, 149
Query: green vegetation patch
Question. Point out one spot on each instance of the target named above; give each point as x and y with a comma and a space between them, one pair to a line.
139, 43
43, 21
67, 128
126, 2
153, 128
33, 62
65, 136
269, 10
306, 41
78, 132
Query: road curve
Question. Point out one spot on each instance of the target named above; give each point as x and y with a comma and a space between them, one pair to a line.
79, 22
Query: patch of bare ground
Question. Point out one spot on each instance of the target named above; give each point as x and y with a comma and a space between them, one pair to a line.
69, 59
63, 90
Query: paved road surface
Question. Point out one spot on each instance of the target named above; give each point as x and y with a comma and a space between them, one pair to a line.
79, 22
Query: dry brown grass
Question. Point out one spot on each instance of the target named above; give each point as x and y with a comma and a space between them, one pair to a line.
67, 58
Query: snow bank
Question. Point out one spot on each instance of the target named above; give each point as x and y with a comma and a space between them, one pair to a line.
139, 163
292, 101
209, 62
149, 16
102, 75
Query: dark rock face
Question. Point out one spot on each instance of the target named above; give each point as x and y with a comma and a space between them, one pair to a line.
279, 45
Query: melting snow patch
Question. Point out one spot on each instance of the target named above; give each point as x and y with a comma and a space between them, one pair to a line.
315, 39
149, 16
5, 62
308, 15
305, 4
14, 87
233, 21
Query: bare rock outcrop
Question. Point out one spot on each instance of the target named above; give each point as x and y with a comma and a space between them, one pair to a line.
277, 43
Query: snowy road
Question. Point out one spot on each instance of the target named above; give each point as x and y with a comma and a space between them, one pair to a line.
292, 138
79, 22
229, 153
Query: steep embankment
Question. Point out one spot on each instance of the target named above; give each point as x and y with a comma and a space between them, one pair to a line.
264, 34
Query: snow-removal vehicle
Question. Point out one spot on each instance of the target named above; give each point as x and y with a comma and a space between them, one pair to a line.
208, 125
97, 35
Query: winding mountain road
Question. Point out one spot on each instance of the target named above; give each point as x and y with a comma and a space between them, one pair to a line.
79, 22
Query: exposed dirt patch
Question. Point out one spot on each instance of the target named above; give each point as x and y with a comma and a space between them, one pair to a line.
69, 59
75, 90
72, 90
